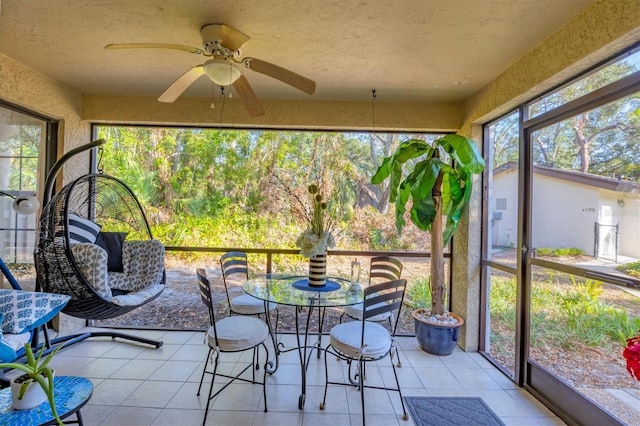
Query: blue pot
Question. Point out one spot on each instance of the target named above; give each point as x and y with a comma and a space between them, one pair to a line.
437, 339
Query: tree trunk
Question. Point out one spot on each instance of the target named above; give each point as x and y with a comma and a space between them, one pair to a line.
438, 289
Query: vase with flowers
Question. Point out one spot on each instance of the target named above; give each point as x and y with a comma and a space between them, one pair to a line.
317, 238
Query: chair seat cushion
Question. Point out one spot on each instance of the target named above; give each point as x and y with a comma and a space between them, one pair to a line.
346, 339
137, 297
249, 305
238, 333
355, 312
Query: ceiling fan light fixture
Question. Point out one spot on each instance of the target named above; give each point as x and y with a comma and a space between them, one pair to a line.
221, 72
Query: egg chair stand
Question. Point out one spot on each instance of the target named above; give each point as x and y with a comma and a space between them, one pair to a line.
95, 245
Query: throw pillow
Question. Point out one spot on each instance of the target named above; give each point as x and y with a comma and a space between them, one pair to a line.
7, 353
82, 230
26, 310
112, 243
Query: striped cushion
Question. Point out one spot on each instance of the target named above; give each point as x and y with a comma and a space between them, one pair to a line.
82, 230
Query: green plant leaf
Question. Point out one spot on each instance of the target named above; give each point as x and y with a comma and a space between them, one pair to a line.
401, 205
392, 165
464, 151
422, 213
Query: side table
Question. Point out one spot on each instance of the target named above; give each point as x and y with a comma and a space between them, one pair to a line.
71, 394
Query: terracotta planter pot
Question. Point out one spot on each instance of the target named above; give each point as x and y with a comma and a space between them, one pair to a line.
436, 339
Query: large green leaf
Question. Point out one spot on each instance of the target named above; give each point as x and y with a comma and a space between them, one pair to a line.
422, 213
401, 205
423, 178
392, 166
464, 151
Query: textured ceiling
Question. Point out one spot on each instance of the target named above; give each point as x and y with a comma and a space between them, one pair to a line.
408, 50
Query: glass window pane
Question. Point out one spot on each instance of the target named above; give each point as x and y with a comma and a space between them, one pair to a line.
503, 189
586, 186
578, 330
623, 67
21, 138
502, 318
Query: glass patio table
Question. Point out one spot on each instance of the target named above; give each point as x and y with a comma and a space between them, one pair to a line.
295, 291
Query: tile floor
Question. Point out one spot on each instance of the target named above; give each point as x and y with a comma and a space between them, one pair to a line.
139, 385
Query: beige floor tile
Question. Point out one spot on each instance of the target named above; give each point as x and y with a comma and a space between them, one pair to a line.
325, 419
230, 418
131, 416
137, 369
175, 370
113, 391
190, 353
277, 419
139, 385
101, 368
154, 394
186, 397
175, 417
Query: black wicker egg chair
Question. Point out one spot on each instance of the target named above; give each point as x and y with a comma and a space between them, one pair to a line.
95, 245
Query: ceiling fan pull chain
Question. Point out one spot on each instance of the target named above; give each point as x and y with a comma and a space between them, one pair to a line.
222, 97
373, 110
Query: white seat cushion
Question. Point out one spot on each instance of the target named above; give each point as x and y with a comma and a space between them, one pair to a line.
238, 333
355, 312
137, 297
249, 305
345, 338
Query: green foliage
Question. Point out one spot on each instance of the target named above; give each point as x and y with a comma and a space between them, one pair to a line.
419, 182
210, 187
379, 240
418, 294
632, 268
559, 252
562, 315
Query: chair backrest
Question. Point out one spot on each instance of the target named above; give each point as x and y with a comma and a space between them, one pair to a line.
204, 286
384, 268
381, 298
232, 263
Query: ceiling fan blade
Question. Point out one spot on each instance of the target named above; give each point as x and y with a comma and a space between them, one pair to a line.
248, 96
181, 84
284, 75
182, 47
232, 38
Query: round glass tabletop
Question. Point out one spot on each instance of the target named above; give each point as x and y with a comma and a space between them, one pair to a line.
294, 291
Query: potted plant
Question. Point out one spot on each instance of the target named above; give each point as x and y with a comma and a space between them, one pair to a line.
438, 181
26, 393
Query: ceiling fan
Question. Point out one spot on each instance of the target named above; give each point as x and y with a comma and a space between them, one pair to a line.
222, 44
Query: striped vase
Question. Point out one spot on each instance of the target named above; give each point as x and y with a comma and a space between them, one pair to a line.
318, 270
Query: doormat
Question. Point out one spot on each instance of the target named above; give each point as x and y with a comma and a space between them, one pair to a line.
437, 411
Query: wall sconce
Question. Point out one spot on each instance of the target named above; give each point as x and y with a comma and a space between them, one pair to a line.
620, 202
24, 204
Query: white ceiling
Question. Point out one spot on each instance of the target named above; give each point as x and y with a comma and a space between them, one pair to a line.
408, 50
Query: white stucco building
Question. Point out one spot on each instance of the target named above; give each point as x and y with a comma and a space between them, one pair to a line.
570, 209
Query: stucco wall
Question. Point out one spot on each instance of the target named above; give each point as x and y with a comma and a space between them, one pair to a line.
278, 114
26, 88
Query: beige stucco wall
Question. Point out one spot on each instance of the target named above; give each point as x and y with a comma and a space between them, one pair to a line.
29, 89
597, 33
278, 114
